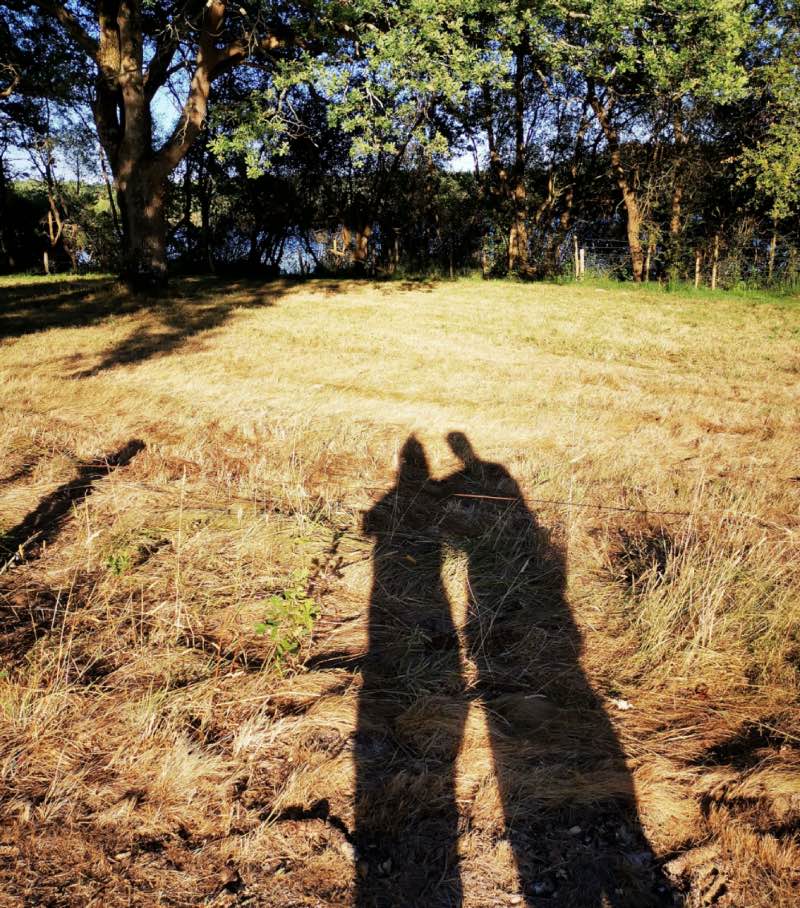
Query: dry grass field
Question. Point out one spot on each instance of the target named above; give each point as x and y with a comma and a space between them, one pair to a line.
398, 595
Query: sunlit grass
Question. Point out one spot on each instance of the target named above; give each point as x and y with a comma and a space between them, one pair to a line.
653, 433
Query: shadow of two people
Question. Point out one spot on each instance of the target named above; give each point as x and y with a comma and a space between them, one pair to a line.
567, 810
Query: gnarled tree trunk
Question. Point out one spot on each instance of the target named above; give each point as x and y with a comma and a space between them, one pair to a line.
518, 244
629, 198
124, 91
141, 202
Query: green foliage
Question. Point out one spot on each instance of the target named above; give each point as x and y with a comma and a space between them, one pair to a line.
289, 617
675, 49
384, 70
328, 151
119, 562
773, 162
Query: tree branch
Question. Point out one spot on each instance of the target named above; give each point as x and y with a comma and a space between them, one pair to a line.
14, 79
210, 63
194, 110
238, 51
159, 69
76, 31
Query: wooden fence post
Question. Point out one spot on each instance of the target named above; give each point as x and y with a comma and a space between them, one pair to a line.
575, 256
715, 262
773, 245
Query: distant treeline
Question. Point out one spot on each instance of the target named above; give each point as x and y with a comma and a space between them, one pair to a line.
653, 141
422, 220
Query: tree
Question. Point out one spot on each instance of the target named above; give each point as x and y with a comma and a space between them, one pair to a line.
643, 60
772, 161
135, 48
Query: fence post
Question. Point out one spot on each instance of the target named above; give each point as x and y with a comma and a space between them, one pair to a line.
698, 261
583, 262
773, 244
714, 262
575, 256
791, 267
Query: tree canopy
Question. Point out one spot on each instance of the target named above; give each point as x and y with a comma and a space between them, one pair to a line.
404, 134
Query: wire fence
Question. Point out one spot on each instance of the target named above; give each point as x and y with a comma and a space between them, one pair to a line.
724, 263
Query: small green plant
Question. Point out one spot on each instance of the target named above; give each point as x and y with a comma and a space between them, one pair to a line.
289, 618
119, 562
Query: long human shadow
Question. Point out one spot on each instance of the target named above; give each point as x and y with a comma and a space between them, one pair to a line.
568, 803
406, 815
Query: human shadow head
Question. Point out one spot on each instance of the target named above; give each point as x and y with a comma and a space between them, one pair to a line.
481, 478
461, 446
402, 508
412, 461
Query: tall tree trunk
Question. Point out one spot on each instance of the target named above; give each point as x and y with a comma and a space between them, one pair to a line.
518, 241
634, 230
629, 198
141, 203
715, 262
675, 227
124, 92
675, 251
518, 252
495, 188
565, 221
58, 215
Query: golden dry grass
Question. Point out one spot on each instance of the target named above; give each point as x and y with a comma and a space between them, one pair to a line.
154, 749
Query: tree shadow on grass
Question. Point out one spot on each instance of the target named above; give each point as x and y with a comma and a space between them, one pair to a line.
28, 538
24, 614
190, 308
567, 809
193, 307
26, 308
171, 327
